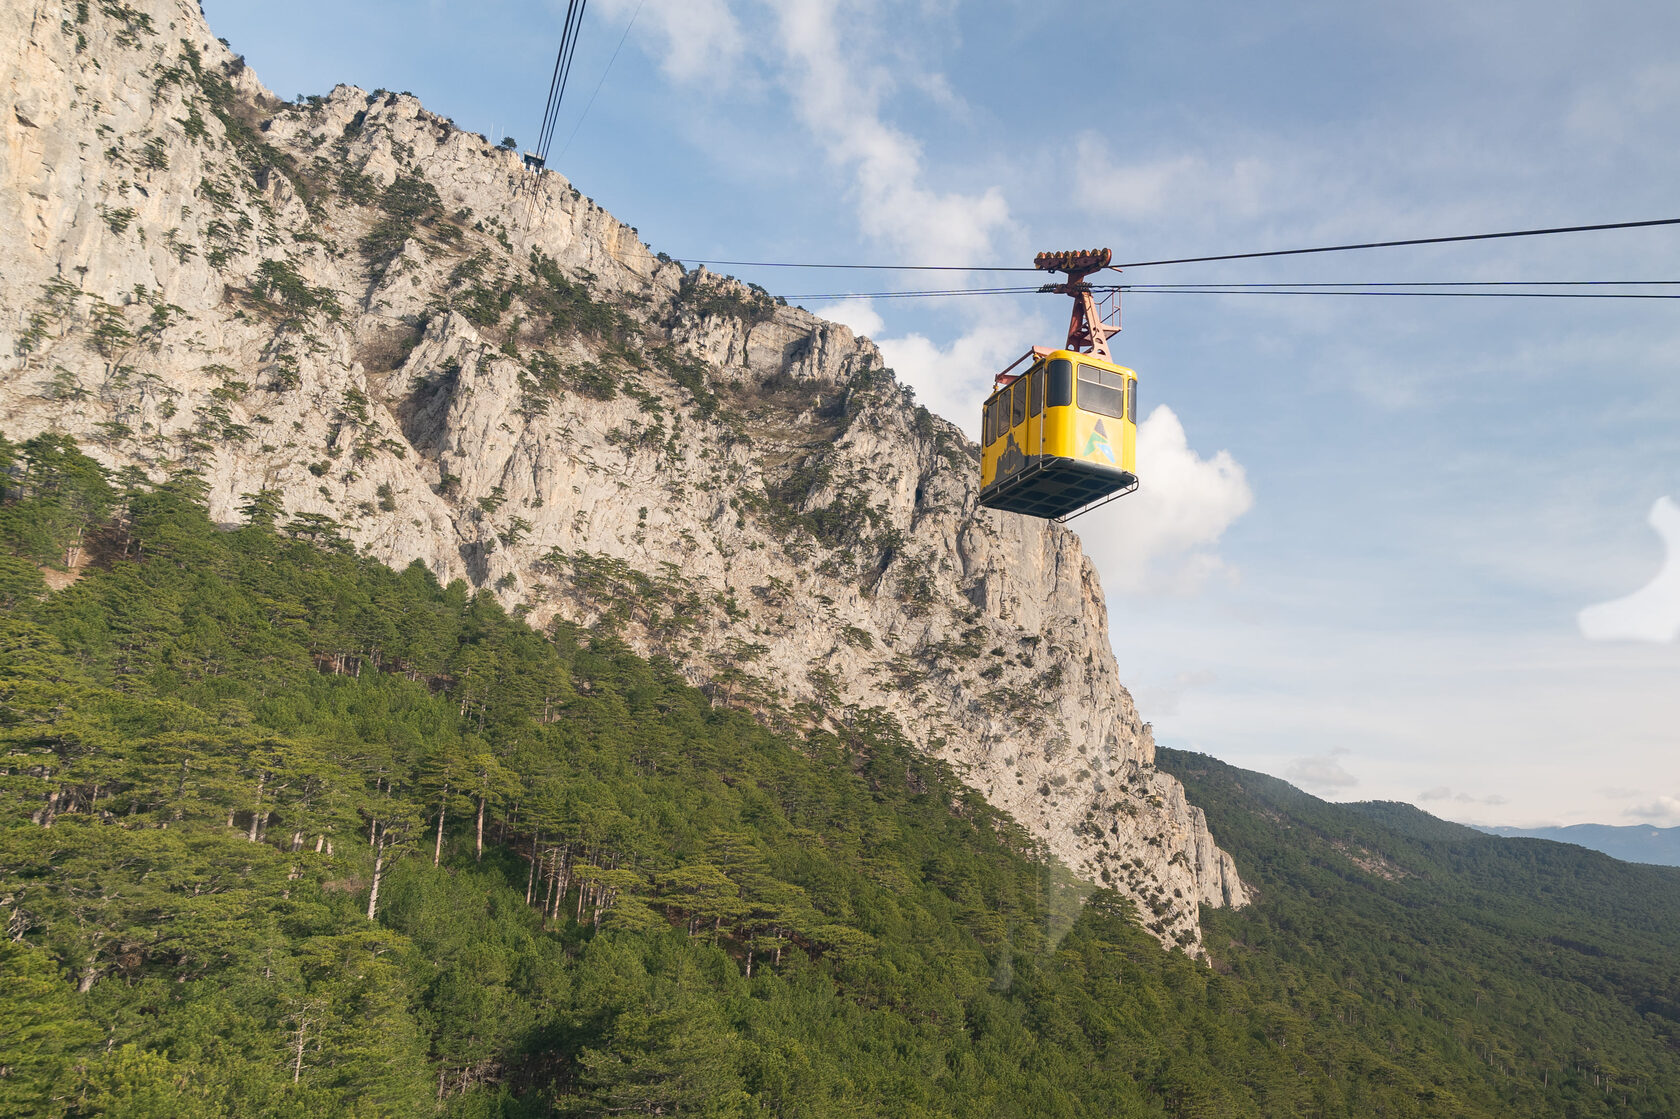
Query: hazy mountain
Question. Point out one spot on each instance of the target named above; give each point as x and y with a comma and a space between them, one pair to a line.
1633, 843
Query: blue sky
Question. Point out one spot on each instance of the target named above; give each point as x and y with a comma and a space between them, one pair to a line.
1367, 526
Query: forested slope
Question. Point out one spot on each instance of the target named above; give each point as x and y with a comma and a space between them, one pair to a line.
215, 743
1554, 968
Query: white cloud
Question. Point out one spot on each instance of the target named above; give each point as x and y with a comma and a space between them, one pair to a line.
1664, 810
1652, 613
1162, 537
839, 99
859, 314
697, 38
1322, 773
952, 380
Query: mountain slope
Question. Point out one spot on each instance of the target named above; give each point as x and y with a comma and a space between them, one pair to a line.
1553, 969
398, 332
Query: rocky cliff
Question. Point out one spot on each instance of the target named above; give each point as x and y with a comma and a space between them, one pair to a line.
427, 351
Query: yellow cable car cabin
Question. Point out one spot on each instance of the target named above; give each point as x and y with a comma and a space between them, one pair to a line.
1060, 437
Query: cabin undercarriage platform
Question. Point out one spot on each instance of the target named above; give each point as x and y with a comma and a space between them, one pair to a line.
1057, 488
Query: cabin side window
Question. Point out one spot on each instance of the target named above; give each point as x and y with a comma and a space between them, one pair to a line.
1131, 399
1018, 403
1102, 392
1059, 374
1036, 397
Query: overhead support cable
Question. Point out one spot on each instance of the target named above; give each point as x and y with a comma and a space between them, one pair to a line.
566, 76
1439, 294
562, 74
1407, 284
549, 102
590, 104
1603, 226
1389, 289
1411, 241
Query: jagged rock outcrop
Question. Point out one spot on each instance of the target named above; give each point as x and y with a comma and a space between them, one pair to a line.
422, 346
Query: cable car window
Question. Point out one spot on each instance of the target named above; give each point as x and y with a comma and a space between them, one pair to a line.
1037, 391
986, 423
1060, 390
1018, 409
1131, 400
1096, 395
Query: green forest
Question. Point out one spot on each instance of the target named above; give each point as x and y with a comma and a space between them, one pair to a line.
284, 832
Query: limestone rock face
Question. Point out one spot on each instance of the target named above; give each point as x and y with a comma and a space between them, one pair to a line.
402, 331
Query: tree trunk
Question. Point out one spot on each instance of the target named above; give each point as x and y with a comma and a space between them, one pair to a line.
531, 878
443, 801
378, 869
297, 1061
551, 905
479, 857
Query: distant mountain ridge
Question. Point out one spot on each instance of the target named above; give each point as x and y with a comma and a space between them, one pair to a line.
1632, 843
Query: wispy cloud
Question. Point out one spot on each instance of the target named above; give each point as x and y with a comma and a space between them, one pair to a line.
1663, 810
1322, 773
839, 98
1445, 793
696, 38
